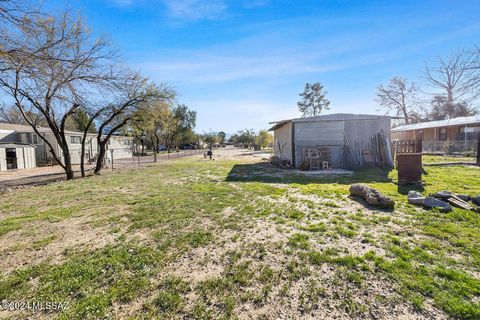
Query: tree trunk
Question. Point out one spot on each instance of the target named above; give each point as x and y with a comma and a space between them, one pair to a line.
100, 157
68, 165
157, 146
82, 154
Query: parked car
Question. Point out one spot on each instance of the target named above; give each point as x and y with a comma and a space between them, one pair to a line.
162, 148
187, 147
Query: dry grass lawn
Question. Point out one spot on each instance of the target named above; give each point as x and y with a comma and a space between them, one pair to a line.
235, 238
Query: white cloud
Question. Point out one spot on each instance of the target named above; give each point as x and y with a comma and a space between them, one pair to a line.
258, 57
195, 9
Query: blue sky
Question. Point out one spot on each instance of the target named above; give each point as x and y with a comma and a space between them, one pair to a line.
242, 63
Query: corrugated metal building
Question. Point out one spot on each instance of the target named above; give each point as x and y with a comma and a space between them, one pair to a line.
342, 140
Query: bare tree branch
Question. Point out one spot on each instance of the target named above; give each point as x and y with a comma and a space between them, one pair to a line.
400, 97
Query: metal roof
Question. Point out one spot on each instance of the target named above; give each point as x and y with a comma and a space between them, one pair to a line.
10, 128
328, 117
20, 127
440, 123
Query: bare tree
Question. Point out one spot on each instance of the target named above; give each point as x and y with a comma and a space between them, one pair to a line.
14, 12
314, 100
454, 77
475, 66
11, 114
399, 97
135, 93
57, 66
93, 115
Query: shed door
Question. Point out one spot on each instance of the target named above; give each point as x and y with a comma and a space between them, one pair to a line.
11, 156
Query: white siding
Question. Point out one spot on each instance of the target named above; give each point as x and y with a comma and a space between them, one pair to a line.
20, 161
282, 140
121, 149
30, 160
3, 160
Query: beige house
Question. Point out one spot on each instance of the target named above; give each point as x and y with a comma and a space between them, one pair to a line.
446, 136
26, 142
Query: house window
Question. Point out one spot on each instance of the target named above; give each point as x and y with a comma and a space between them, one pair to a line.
442, 134
35, 139
127, 142
75, 140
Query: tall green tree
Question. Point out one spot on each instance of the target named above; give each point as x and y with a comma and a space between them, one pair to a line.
221, 137
211, 138
179, 120
442, 108
81, 120
246, 137
263, 139
313, 100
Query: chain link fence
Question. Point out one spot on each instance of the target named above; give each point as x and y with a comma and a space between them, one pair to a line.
136, 160
460, 147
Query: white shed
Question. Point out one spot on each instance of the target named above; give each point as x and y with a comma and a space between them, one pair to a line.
342, 140
17, 156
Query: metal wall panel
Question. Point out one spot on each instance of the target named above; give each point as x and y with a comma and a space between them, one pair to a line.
20, 159
319, 134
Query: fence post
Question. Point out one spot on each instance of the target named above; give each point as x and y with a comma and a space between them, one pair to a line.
478, 149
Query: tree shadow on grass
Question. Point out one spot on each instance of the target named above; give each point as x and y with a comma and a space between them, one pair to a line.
264, 172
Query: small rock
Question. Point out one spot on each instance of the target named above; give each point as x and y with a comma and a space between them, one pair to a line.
431, 202
415, 198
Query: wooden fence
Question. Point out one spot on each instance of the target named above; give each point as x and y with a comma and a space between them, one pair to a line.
407, 146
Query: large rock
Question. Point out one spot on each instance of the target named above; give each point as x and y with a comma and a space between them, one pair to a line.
476, 200
464, 197
371, 196
431, 202
444, 194
415, 198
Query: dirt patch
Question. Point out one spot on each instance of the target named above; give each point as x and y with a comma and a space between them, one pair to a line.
69, 234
